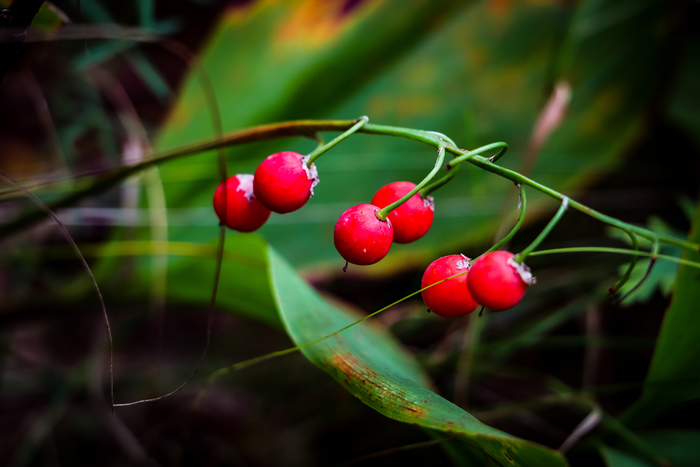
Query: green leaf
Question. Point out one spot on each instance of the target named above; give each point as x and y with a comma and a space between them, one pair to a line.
674, 375
370, 364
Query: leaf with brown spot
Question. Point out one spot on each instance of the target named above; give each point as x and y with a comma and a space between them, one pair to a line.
372, 365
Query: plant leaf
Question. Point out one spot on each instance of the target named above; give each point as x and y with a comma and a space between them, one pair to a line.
368, 362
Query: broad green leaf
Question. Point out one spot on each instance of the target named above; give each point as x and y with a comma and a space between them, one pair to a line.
674, 375
371, 365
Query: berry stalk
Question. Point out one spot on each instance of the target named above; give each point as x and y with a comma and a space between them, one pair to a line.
621, 251
516, 177
453, 165
321, 150
384, 212
516, 227
543, 234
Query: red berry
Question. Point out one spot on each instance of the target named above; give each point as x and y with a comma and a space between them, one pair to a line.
237, 207
497, 281
451, 298
413, 218
283, 182
360, 237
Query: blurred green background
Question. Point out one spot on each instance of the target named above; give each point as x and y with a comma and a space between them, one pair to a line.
596, 99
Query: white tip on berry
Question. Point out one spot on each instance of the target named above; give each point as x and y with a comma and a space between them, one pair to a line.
429, 202
463, 263
523, 271
311, 173
245, 184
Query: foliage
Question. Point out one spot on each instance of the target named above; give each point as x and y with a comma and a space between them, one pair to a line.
123, 125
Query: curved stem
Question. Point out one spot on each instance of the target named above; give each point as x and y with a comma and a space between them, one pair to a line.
382, 213
74, 246
633, 262
620, 251
444, 137
321, 150
652, 262
453, 165
515, 177
309, 128
516, 227
476, 152
451, 172
520, 257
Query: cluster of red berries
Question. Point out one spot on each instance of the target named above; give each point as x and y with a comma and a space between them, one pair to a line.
362, 238
495, 280
284, 182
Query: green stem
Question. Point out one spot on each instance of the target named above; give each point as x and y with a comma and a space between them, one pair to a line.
516, 227
652, 261
467, 155
633, 262
515, 177
520, 257
451, 172
444, 137
309, 128
453, 165
321, 150
384, 212
620, 251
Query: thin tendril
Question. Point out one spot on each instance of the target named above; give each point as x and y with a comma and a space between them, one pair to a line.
522, 204
85, 265
210, 96
210, 325
652, 262
252, 361
633, 262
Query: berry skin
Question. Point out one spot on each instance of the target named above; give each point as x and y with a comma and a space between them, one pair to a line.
497, 281
450, 299
360, 237
413, 218
237, 207
283, 183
